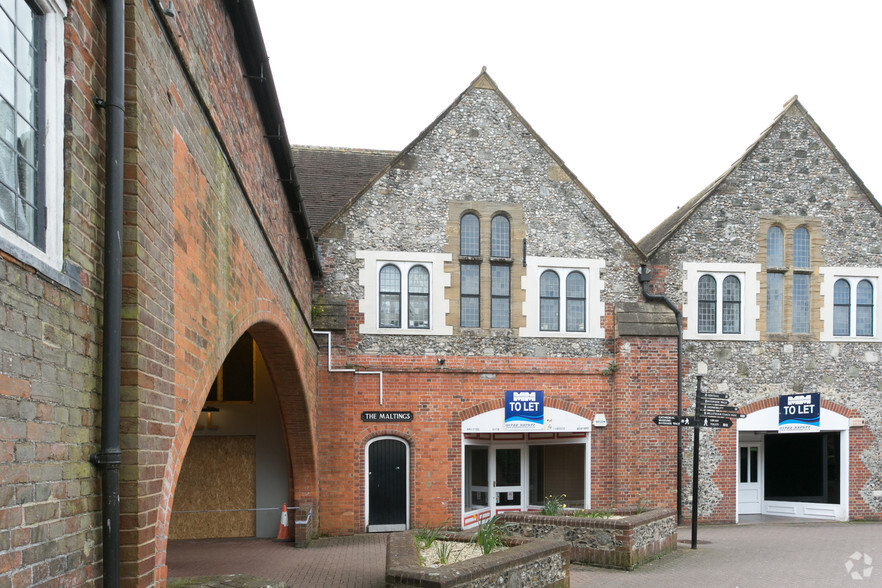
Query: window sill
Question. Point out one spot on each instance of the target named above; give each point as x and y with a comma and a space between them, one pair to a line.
68, 277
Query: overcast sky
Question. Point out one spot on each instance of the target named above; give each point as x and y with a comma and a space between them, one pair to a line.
646, 102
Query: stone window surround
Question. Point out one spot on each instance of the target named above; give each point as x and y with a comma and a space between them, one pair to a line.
747, 274
829, 276
368, 278
594, 308
788, 224
485, 211
49, 259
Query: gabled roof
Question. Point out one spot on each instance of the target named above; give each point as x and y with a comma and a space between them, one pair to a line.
657, 237
485, 82
331, 176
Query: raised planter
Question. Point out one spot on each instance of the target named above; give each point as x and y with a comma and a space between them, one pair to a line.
527, 562
621, 543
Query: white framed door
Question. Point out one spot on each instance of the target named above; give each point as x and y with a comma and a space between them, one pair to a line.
507, 478
750, 478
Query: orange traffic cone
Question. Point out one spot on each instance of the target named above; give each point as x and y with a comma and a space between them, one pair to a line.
283, 525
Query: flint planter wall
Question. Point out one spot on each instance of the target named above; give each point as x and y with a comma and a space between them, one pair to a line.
621, 543
527, 562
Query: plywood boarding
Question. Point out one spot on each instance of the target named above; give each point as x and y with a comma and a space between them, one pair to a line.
218, 473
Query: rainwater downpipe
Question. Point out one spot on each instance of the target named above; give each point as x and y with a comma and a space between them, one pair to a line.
348, 370
645, 275
108, 458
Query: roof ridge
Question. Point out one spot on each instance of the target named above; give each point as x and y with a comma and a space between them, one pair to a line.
344, 149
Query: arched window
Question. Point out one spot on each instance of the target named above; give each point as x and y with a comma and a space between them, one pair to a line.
469, 235
731, 305
500, 240
863, 321
800, 247
549, 301
418, 297
707, 304
390, 297
842, 308
575, 302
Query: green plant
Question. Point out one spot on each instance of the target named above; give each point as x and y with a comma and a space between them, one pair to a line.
554, 505
489, 535
642, 505
610, 369
601, 513
427, 535
444, 550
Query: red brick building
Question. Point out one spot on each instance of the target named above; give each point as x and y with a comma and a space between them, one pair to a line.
473, 266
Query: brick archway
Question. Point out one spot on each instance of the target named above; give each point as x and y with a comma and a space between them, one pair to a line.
279, 347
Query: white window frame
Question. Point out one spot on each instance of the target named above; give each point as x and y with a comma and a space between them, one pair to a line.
563, 266
747, 274
49, 260
853, 275
368, 278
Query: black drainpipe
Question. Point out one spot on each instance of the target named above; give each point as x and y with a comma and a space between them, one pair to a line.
109, 457
645, 275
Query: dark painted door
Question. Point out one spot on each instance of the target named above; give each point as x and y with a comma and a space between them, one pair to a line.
387, 485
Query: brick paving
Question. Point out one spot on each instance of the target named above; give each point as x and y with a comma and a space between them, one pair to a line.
745, 556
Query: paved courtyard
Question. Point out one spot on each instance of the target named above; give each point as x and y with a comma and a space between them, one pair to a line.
743, 556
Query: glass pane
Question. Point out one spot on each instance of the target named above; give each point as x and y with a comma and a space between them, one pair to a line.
575, 285
7, 207
801, 247
549, 285
8, 165
800, 303
731, 317
26, 141
707, 289
418, 280
742, 466
470, 311
25, 220
549, 314
774, 302
500, 242
476, 476
470, 276
25, 104
864, 292
499, 280
775, 247
841, 292
469, 235
575, 315
390, 279
731, 289
841, 321
564, 473
7, 79
863, 323
754, 464
7, 37
508, 467
25, 19
390, 310
24, 57
499, 313
26, 183
8, 6
707, 317
418, 311
7, 122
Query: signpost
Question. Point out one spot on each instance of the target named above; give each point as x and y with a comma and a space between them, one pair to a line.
712, 411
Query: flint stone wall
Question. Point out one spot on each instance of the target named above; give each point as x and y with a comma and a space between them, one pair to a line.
618, 543
526, 563
480, 151
792, 172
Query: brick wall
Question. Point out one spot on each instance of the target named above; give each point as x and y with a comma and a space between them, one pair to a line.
207, 254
